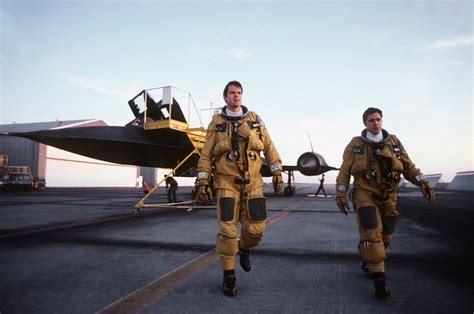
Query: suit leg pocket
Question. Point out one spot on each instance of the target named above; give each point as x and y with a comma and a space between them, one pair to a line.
368, 217
389, 223
257, 209
226, 208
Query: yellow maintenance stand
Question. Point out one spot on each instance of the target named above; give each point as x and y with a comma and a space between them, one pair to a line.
165, 119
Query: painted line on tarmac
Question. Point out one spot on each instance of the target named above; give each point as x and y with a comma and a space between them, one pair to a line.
144, 297
285, 212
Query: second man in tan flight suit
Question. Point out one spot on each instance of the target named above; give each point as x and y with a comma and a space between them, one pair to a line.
235, 138
376, 159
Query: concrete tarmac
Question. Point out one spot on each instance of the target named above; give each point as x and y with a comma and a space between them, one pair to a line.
82, 251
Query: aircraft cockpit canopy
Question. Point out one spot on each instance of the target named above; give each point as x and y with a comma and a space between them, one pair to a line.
156, 110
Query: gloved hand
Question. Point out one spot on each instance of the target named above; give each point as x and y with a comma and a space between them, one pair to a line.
204, 194
277, 182
341, 199
428, 192
342, 202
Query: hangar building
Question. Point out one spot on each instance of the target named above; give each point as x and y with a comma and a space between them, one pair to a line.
64, 169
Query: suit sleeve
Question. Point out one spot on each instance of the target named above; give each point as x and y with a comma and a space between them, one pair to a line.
344, 175
207, 156
410, 171
269, 150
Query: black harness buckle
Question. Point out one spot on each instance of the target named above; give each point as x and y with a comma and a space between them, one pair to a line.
380, 198
241, 181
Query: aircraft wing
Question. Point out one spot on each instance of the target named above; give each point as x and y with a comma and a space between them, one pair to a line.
309, 164
322, 169
122, 145
131, 145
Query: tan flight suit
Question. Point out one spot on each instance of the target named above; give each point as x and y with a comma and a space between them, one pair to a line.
376, 168
237, 180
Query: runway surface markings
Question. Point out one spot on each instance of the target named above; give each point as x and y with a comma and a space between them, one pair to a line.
144, 297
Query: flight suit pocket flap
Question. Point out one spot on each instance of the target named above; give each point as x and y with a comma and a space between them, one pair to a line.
226, 208
368, 217
257, 207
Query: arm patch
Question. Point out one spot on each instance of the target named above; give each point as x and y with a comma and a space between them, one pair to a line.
221, 127
359, 149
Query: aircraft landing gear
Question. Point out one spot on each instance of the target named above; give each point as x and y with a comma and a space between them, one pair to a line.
290, 190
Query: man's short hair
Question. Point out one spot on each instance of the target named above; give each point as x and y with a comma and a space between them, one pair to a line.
233, 83
369, 111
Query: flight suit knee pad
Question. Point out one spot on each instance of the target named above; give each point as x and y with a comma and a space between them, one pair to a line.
372, 251
226, 246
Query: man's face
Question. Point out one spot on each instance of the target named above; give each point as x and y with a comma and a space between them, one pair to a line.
233, 98
374, 123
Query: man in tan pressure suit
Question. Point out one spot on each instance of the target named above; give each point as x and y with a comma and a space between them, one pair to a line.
376, 159
235, 138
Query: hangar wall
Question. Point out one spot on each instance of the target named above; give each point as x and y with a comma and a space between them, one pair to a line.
21, 152
65, 169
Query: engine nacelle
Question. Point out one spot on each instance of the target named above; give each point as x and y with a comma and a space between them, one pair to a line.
310, 163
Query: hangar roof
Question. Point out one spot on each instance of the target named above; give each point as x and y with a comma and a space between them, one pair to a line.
37, 126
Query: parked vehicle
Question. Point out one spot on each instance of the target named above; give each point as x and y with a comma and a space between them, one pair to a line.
16, 182
17, 177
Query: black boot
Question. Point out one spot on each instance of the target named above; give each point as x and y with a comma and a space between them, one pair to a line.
380, 284
228, 286
245, 259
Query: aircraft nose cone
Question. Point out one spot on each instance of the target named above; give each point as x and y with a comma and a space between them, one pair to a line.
308, 164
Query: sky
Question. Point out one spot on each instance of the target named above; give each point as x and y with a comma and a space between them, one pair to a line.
307, 67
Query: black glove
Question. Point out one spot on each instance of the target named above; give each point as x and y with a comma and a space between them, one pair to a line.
428, 192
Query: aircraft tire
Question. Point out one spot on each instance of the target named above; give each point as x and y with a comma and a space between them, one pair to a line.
289, 191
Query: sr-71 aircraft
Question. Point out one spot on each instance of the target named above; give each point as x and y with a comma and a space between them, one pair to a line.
159, 136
